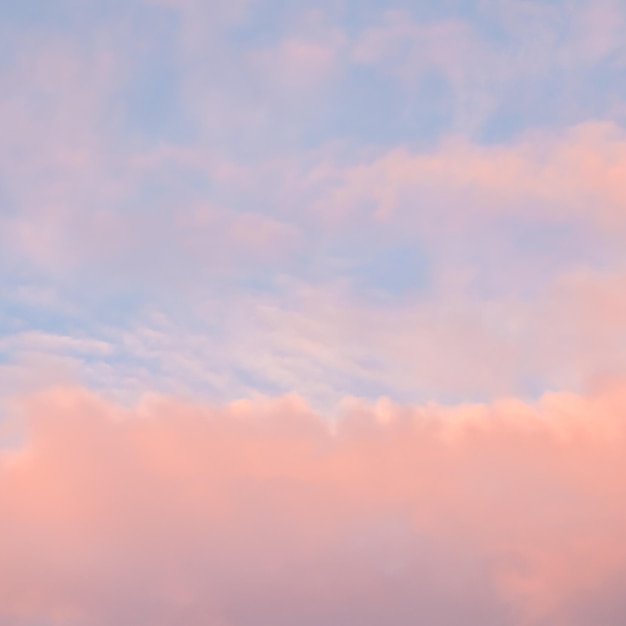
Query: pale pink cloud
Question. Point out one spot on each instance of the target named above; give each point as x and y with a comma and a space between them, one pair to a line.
448, 342
570, 176
298, 63
263, 512
576, 174
56, 156
55, 97
210, 233
597, 32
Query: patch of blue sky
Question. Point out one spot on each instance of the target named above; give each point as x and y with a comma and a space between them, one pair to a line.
513, 115
152, 100
6, 357
360, 14
261, 280
596, 92
8, 206
372, 108
169, 186
400, 270
18, 319
37, 13
556, 101
153, 110
369, 386
69, 19
531, 388
115, 307
255, 382
265, 22
81, 308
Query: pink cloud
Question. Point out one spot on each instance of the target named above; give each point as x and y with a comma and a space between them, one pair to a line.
263, 512
573, 175
567, 334
299, 63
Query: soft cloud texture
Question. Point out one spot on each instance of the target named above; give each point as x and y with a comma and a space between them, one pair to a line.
572, 175
263, 512
228, 229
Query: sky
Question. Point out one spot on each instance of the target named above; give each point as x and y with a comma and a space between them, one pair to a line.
312, 312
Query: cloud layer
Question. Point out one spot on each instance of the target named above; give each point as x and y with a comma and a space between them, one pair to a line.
262, 512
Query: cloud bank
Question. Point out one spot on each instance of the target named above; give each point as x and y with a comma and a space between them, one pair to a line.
263, 512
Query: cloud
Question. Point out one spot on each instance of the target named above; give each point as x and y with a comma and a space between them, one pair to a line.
504, 54
324, 341
570, 175
261, 512
298, 63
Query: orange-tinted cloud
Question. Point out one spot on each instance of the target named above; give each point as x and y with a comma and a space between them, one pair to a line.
262, 512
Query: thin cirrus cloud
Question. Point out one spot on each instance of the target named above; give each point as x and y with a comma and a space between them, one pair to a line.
326, 344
